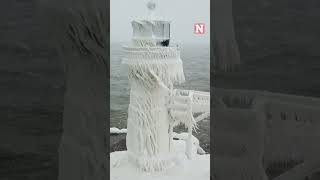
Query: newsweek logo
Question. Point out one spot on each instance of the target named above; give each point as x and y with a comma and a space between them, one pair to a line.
199, 28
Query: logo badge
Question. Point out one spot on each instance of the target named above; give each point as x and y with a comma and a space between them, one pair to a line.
199, 28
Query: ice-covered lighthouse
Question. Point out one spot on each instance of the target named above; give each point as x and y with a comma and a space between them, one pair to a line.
154, 67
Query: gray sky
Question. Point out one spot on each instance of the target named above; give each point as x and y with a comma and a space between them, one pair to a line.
182, 13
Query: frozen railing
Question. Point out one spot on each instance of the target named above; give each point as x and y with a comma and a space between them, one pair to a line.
183, 104
292, 128
240, 98
200, 99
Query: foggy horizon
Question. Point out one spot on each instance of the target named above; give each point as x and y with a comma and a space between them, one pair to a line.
122, 12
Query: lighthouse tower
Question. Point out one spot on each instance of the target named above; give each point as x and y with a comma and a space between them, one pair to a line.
153, 68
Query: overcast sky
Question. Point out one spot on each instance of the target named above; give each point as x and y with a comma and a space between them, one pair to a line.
183, 14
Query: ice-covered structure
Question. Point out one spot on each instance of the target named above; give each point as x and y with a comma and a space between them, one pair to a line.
154, 66
260, 133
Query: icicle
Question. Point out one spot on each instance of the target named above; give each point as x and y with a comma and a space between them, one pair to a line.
189, 143
164, 62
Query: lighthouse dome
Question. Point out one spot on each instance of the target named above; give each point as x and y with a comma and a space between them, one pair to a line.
156, 32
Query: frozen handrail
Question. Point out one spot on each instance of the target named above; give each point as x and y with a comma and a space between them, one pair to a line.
200, 100
182, 105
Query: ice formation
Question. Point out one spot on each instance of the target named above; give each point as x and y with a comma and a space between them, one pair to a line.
115, 130
151, 71
265, 131
155, 106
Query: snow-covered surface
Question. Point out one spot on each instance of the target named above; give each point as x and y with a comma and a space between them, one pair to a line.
115, 130
197, 168
180, 136
195, 142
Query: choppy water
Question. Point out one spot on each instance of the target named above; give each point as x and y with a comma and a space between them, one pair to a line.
196, 63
